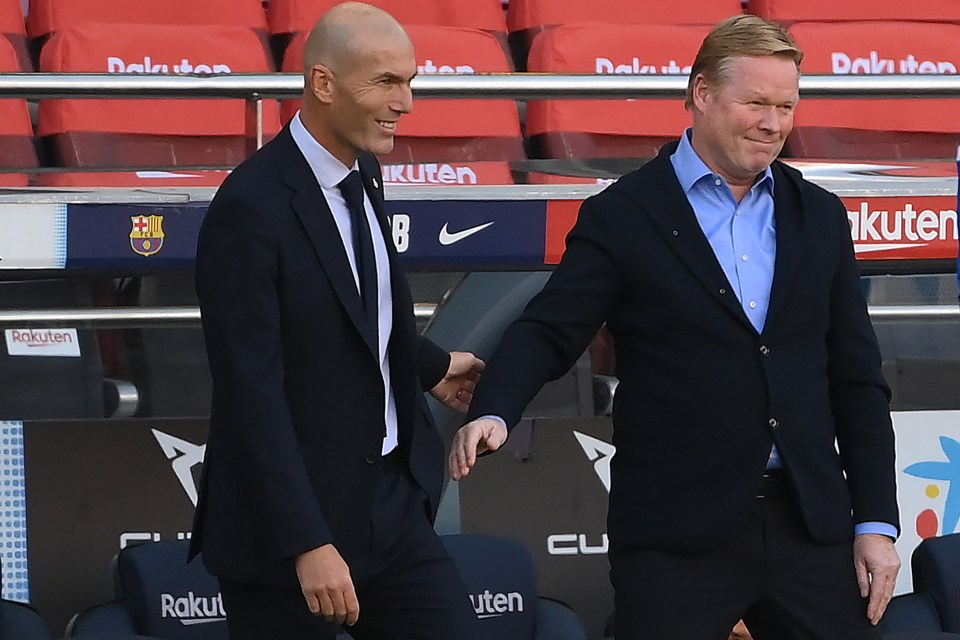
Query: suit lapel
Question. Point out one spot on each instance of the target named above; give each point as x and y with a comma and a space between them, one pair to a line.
668, 208
311, 208
788, 212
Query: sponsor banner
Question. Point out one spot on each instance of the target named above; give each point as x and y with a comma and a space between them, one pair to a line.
14, 577
928, 480
132, 236
882, 228
62, 343
33, 236
77, 483
442, 174
468, 233
903, 228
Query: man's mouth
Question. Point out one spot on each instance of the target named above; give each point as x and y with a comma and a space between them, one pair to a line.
389, 125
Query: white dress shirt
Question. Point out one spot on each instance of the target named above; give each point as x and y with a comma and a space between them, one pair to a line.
329, 173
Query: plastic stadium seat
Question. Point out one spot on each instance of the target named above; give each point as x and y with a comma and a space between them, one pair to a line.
461, 130
879, 129
133, 179
610, 128
50, 16
158, 594
12, 26
501, 579
16, 131
787, 11
527, 18
155, 132
288, 17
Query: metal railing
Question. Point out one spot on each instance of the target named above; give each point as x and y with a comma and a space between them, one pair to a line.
254, 88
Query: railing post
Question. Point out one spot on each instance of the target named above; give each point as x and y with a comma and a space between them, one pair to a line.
254, 123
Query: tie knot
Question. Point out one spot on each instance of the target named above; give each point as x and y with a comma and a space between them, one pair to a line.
352, 189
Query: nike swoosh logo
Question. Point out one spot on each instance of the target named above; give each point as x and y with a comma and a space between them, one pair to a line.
447, 238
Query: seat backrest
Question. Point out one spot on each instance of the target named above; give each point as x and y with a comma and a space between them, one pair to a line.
20, 621
13, 28
168, 597
611, 49
160, 49
293, 16
501, 580
16, 131
878, 128
50, 16
936, 571
447, 130
787, 11
539, 14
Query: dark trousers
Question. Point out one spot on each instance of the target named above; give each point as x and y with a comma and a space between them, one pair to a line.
772, 574
408, 586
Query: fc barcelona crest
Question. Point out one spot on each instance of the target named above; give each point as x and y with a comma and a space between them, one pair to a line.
146, 234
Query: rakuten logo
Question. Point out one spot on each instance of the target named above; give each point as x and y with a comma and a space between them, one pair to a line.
429, 67
843, 64
42, 342
494, 605
634, 67
875, 229
428, 174
192, 609
147, 65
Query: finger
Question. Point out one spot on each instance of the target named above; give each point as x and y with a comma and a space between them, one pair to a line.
468, 450
352, 604
326, 604
313, 604
886, 594
863, 578
479, 365
339, 606
497, 437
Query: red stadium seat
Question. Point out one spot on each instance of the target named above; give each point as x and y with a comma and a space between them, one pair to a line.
294, 16
132, 179
877, 128
527, 18
155, 132
12, 26
16, 131
788, 11
610, 127
447, 130
50, 16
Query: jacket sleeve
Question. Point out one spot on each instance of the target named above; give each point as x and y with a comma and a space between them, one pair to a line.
432, 363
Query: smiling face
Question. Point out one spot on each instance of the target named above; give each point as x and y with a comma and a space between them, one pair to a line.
366, 98
741, 121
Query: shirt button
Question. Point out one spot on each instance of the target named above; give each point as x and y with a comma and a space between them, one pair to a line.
744, 257
753, 304
764, 350
722, 291
773, 423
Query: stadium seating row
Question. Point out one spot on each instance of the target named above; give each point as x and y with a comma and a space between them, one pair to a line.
95, 133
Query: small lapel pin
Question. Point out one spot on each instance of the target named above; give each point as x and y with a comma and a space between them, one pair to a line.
376, 185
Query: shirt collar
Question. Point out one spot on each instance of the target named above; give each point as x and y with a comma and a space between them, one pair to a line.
329, 171
690, 168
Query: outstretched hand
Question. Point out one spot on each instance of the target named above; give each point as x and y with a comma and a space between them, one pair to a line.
472, 439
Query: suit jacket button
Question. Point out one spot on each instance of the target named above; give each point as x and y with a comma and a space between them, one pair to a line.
370, 459
773, 422
764, 350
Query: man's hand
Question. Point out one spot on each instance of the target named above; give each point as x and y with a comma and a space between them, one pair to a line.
456, 388
877, 565
327, 586
473, 438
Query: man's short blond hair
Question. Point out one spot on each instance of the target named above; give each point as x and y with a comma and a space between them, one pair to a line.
739, 36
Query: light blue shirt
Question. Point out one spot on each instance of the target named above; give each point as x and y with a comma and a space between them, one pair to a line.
743, 236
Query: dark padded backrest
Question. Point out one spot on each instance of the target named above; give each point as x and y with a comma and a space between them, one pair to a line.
936, 571
20, 621
168, 597
501, 580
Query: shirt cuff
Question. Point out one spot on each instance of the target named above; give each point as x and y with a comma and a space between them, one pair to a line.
880, 528
493, 417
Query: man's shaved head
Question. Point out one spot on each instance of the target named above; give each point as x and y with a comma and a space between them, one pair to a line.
345, 31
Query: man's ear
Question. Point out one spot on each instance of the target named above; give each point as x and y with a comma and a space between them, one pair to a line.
321, 83
701, 89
